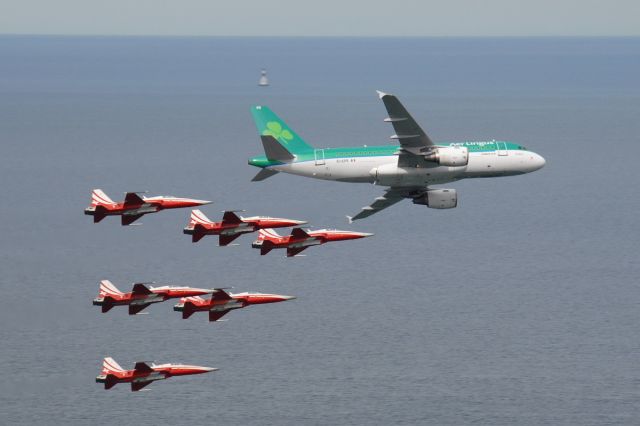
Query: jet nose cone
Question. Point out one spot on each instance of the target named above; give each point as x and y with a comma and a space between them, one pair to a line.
208, 369
366, 234
300, 222
202, 202
288, 297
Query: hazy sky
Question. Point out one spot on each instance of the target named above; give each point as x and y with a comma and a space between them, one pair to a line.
324, 17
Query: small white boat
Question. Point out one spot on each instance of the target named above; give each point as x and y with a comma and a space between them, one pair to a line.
264, 81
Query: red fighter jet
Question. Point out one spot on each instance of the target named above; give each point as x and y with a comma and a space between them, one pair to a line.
222, 302
142, 296
232, 225
268, 239
143, 373
134, 206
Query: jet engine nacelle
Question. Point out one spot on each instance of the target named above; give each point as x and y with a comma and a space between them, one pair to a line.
438, 199
450, 156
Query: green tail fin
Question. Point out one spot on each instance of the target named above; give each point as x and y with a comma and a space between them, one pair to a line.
268, 123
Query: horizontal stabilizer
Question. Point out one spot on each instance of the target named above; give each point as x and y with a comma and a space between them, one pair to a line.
265, 248
275, 150
264, 174
107, 304
99, 213
110, 381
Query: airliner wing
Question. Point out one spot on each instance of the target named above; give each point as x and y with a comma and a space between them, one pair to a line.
412, 138
392, 196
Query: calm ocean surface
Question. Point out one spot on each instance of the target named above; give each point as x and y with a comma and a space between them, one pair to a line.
521, 306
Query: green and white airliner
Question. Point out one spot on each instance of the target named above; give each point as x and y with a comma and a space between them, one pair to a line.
408, 169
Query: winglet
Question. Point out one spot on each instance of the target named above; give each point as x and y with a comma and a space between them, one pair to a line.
381, 94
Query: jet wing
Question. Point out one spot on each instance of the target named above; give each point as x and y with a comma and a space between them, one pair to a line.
128, 219
392, 196
220, 294
132, 198
231, 217
408, 133
299, 233
140, 288
136, 386
216, 315
294, 251
224, 240
414, 142
143, 367
134, 309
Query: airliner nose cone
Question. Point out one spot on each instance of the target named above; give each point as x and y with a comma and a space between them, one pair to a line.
538, 161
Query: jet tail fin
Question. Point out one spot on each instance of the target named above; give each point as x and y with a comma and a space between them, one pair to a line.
269, 124
111, 368
108, 289
198, 221
98, 197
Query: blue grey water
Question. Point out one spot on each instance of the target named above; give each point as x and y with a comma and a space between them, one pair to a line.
521, 306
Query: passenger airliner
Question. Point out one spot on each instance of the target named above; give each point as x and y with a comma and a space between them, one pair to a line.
408, 169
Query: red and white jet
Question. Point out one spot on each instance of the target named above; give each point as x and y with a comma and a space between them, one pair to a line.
222, 302
232, 225
143, 373
141, 296
134, 206
268, 239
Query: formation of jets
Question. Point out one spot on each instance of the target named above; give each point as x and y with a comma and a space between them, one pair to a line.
408, 170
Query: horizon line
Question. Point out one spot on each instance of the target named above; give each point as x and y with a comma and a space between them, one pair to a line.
313, 36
